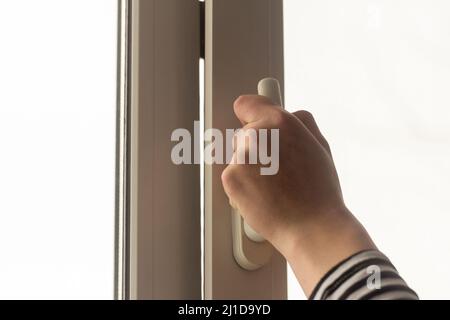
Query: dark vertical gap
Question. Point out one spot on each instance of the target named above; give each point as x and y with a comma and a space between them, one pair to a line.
202, 29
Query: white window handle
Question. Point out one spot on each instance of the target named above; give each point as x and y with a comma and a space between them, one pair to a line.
250, 249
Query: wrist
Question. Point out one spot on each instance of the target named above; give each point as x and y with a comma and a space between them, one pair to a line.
313, 246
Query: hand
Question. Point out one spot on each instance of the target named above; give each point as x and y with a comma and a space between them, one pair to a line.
300, 210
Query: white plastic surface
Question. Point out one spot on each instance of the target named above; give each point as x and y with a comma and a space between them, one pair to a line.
250, 249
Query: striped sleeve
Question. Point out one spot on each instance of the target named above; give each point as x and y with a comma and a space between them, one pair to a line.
367, 275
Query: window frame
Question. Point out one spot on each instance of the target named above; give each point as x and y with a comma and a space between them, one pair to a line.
157, 238
253, 43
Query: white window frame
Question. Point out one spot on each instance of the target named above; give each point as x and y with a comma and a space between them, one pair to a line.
158, 203
158, 249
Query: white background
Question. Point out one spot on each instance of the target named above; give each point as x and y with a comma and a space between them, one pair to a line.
376, 74
57, 148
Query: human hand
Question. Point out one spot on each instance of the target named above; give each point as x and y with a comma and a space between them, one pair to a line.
300, 210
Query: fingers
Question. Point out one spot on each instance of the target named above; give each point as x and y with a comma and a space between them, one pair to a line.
310, 123
251, 108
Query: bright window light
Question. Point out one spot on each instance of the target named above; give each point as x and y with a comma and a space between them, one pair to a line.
57, 142
375, 73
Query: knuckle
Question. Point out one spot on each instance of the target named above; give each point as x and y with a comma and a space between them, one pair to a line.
305, 115
242, 101
280, 119
326, 145
230, 179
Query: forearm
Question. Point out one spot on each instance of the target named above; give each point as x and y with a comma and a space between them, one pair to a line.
313, 247
334, 258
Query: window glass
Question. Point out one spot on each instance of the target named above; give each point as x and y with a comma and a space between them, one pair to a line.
375, 74
57, 142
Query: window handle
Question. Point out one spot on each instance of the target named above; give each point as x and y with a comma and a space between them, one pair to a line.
251, 251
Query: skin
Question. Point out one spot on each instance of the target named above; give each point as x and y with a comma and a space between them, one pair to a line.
301, 209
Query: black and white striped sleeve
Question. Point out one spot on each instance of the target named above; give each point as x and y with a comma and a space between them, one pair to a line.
367, 275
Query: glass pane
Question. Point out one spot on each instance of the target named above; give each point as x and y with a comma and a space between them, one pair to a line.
376, 75
57, 129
